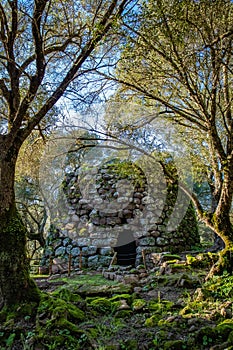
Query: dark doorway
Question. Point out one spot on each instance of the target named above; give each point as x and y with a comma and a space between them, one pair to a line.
126, 249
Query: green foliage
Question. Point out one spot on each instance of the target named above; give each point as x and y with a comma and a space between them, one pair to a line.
206, 335
128, 297
174, 345
10, 340
139, 304
220, 286
66, 295
202, 260
101, 305
152, 321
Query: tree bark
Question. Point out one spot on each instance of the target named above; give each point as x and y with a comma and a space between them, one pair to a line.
223, 227
15, 283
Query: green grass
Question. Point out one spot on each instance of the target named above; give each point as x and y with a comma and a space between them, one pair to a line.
92, 280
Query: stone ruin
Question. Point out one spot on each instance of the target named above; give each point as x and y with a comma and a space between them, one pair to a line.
133, 223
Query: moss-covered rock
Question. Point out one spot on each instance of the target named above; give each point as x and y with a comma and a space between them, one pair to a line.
101, 305
128, 297
138, 304
58, 314
152, 321
62, 340
202, 260
67, 295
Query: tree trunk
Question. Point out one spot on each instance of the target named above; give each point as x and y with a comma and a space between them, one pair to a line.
221, 222
224, 229
15, 283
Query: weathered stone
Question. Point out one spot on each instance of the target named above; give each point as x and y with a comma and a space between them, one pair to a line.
137, 201
103, 242
60, 251
108, 275
160, 241
66, 241
138, 195
69, 248
102, 221
127, 213
95, 220
123, 305
139, 250
147, 241
112, 221
91, 250
82, 242
155, 234
138, 260
119, 278
93, 213
83, 219
106, 251
69, 226
105, 260
75, 251
57, 261
93, 261
71, 211
88, 226
57, 243
75, 218
131, 279
48, 252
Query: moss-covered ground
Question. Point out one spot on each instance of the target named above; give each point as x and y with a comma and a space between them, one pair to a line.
176, 310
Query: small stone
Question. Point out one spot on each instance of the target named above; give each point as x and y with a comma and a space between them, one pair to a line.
57, 261
123, 305
82, 242
75, 218
95, 220
131, 279
60, 251
66, 241
106, 251
161, 241
69, 248
118, 278
91, 250
112, 221
147, 241
93, 261
75, 251
69, 226
192, 329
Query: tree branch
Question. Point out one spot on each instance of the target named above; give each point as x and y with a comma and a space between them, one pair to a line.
103, 28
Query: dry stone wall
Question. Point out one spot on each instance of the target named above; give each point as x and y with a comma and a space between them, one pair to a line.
89, 231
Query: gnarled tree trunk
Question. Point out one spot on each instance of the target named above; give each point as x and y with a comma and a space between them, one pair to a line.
15, 283
223, 227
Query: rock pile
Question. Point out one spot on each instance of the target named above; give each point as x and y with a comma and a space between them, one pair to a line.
95, 219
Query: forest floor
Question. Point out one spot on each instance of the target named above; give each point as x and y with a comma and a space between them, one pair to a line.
172, 307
